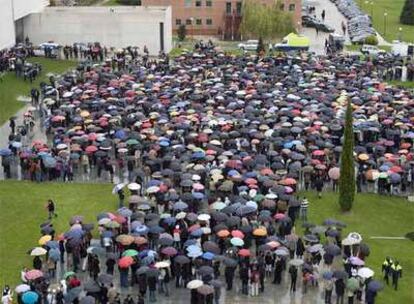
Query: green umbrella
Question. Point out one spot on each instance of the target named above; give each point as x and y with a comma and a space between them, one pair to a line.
130, 252
258, 198
69, 274
352, 284
112, 225
132, 142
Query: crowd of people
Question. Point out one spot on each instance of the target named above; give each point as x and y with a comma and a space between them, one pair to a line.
213, 149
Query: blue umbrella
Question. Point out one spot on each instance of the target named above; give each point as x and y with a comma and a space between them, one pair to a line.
170, 220
121, 134
375, 286
327, 275
107, 234
156, 230
5, 152
198, 195
125, 212
74, 234
180, 205
233, 172
154, 182
49, 162
30, 297
141, 229
193, 248
190, 242
198, 155
164, 143
243, 210
384, 168
197, 233
208, 255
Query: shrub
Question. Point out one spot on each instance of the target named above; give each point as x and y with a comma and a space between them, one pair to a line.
182, 32
130, 2
371, 40
407, 13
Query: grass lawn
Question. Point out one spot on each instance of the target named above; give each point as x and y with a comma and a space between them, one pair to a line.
111, 3
374, 215
12, 87
22, 211
389, 27
404, 84
357, 47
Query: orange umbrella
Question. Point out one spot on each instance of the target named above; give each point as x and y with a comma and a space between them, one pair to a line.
244, 252
223, 233
125, 262
363, 156
140, 240
125, 239
260, 231
288, 181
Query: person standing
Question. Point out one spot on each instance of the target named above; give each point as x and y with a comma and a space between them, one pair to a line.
304, 209
293, 271
396, 272
51, 209
254, 282
323, 15
12, 124
386, 269
244, 277
328, 286
340, 291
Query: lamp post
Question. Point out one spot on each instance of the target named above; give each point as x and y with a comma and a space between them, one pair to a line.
400, 34
385, 23
192, 27
372, 10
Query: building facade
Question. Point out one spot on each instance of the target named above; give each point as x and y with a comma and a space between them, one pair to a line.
12, 15
117, 26
220, 18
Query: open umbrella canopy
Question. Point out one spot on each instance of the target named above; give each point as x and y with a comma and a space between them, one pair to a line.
194, 284
30, 297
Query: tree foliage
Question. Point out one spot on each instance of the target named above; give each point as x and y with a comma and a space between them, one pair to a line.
268, 22
407, 13
347, 170
130, 2
181, 32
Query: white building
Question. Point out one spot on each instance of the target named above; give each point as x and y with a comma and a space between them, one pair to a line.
12, 14
118, 26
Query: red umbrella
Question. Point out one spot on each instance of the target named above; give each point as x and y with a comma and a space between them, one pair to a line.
33, 274
233, 164
125, 262
279, 216
237, 234
288, 181
193, 227
244, 252
396, 169
58, 118
266, 171
170, 251
120, 219
91, 149
92, 136
250, 181
318, 153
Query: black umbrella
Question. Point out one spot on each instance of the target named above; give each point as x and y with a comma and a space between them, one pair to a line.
181, 259
340, 274
205, 270
87, 300
91, 286
311, 238
211, 247
105, 279
375, 286
332, 249
229, 262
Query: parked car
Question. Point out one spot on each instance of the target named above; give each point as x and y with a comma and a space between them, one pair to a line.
308, 21
249, 45
372, 50
293, 42
324, 27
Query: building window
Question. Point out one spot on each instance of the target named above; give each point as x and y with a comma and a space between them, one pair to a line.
198, 3
209, 21
292, 7
188, 21
238, 8
209, 3
228, 7
282, 7
187, 3
177, 21
199, 22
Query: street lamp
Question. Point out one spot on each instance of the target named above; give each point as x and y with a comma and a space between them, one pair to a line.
400, 34
385, 23
192, 27
372, 10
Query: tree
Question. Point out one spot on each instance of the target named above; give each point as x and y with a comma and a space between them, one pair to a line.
347, 176
260, 47
182, 32
407, 13
268, 22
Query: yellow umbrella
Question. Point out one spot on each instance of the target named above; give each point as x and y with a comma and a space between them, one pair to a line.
260, 231
44, 239
363, 156
84, 114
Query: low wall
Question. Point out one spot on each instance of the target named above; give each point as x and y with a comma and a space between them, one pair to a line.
111, 26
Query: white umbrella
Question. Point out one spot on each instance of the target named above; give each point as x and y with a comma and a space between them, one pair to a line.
218, 205
38, 251
22, 288
61, 146
355, 237
117, 188
162, 264
365, 272
134, 186
180, 215
153, 189
104, 221
194, 284
296, 262
347, 242
203, 217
